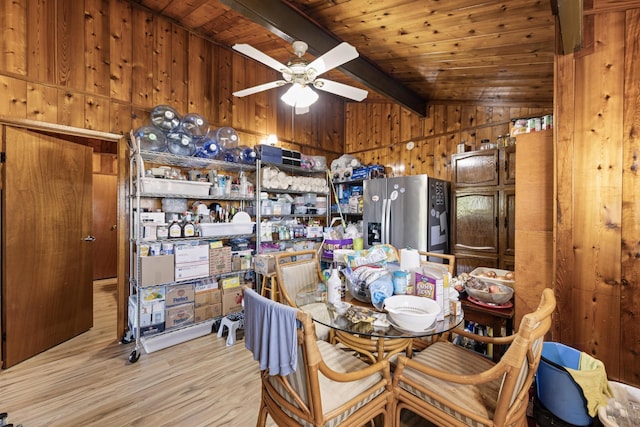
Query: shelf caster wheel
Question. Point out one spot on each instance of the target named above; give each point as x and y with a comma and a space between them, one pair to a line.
126, 340
134, 356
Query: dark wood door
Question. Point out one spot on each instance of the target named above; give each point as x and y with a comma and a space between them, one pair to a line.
105, 218
47, 293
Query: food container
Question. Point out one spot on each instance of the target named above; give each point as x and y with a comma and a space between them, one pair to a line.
411, 313
173, 186
485, 274
488, 292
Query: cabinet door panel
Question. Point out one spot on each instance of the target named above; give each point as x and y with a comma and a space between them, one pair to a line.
466, 263
508, 222
475, 169
476, 225
508, 166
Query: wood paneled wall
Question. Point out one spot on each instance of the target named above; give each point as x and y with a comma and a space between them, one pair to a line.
597, 219
103, 64
378, 133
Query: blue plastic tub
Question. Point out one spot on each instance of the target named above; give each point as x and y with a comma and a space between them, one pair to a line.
556, 389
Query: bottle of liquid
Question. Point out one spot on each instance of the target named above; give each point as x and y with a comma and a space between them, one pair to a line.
195, 125
188, 228
151, 138
334, 285
175, 230
165, 117
208, 148
181, 144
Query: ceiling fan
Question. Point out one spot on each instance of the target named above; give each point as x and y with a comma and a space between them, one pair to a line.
303, 74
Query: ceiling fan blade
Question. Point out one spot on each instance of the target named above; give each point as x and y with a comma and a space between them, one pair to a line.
259, 88
259, 56
337, 56
340, 89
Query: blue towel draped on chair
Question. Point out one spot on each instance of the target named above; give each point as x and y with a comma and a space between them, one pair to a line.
270, 333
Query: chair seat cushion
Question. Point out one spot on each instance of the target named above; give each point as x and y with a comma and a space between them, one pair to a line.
480, 399
333, 393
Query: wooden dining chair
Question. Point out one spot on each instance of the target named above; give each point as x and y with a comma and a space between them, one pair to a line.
326, 387
297, 273
452, 386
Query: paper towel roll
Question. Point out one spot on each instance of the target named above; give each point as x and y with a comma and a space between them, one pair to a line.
409, 259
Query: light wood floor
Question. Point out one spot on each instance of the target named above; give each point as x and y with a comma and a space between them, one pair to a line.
88, 381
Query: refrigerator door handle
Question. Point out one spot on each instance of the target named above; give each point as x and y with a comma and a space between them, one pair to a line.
387, 216
383, 223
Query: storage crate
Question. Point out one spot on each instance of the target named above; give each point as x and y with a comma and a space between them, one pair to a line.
174, 186
225, 229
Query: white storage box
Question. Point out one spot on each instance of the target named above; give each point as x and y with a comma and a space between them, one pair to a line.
225, 228
191, 253
172, 186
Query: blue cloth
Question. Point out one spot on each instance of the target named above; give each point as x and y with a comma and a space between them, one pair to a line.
270, 333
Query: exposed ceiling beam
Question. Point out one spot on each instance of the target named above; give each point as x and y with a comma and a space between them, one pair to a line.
569, 13
290, 25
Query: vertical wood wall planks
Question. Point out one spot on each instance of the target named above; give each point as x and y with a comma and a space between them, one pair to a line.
199, 83
120, 50
163, 63
13, 46
40, 35
71, 108
142, 78
97, 44
630, 274
42, 103
69, 44
179, 73
597, 197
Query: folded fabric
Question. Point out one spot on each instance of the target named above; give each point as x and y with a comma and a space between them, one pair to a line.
591, 376
270, 333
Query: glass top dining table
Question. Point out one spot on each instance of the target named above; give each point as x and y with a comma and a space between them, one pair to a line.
376, 339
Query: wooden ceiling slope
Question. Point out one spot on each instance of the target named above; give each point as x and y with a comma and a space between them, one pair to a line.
464, 51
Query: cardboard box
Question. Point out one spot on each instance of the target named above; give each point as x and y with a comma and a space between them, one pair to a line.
241, 260
206, 312
230, 282
265, 263
151, 316
180, 294
191, 254
179, 315
211, 296
192, 270
231, 300
156, 270
206, 285
153, 293
220, 260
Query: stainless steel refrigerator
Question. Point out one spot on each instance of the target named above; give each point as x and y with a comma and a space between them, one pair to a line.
407, 212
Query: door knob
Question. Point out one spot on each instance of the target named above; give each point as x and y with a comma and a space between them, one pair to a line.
114, 227
89, 238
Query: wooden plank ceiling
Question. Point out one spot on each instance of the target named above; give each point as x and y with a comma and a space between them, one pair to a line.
475, 51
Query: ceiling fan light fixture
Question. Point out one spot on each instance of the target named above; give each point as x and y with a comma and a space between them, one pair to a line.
299, 96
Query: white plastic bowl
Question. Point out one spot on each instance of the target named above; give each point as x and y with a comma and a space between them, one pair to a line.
488, 292
411, 313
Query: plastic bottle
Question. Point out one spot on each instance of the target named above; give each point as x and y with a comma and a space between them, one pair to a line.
195, 125
208, 148
175, 230
400, 282
334, 285
188, 229
165, 117
181, 144
150, 138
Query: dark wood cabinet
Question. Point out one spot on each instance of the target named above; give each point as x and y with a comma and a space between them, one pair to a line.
483, 220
